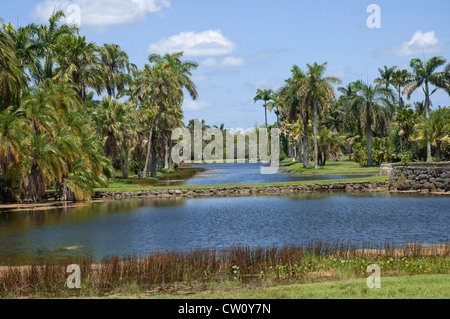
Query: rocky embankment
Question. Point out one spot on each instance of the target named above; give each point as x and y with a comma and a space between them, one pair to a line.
243, 190
433, 177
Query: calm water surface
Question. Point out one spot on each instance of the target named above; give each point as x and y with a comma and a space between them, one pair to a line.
144, 226
248, 173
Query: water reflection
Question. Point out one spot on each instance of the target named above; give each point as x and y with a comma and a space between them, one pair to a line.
248, 173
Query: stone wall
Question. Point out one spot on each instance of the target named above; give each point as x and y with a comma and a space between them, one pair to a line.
433, 177
243, 190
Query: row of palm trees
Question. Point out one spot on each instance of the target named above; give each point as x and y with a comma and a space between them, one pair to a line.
54, 134
307, 105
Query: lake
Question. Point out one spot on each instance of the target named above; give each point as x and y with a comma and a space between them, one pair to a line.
143, 226
249, 173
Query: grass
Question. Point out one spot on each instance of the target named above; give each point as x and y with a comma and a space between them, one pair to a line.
332, 168
122, 186
237, 270
401, 287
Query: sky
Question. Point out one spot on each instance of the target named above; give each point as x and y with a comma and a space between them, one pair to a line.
245, 45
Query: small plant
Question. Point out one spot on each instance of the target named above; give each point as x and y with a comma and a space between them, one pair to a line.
405, 158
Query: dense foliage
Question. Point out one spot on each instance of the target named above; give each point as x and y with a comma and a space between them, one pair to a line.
371, 123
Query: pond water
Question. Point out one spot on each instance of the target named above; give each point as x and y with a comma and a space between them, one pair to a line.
143, 226
249, 173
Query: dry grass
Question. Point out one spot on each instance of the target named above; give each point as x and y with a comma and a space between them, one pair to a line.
206, 269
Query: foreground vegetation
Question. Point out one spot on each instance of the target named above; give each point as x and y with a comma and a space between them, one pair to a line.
239, 269
401, 287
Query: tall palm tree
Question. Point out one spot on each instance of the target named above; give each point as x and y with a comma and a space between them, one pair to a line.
78, 62
50, 35
426, 75
386, 75
117, 125
374, 106
116, 68
295, 107
435, 130
27, 48
13, 80
318, 91
400, 79
161, 86
264, 95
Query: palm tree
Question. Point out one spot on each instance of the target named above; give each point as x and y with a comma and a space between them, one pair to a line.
435, 130
295, 108
117, 124
27, 48
116, 68
13, 80
426, 75
318, 91
50, 35
161, 86
78, 62
445, 81
264, 95
400, 79
374, 107
386, 75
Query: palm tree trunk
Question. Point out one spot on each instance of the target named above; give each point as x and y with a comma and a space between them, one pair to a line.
316, 158
149, 146
427, 115
369, 146
265, 109
126, 163
300, 146
306, 143
438, 152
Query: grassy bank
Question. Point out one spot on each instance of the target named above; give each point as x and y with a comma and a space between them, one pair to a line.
401, 287
122, 186
236, 270
332, 168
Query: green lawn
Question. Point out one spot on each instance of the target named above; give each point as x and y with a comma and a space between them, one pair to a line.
403, 287
122, 186
330, 168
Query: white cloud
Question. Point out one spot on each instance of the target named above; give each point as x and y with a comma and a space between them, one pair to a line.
232, 61
227, 61
420, 42
191, 105
208, 43
103, 13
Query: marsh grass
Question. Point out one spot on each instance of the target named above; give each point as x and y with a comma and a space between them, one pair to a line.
234, 268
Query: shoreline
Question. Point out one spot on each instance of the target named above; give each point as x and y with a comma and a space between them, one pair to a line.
206, 191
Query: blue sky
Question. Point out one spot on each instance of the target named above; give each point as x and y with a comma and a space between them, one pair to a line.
245, 45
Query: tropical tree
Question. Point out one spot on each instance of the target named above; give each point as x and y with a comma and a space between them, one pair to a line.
318, 92
435, 130
425, 76
374, 108
400, 79
386, 76
116, 68
49, 35
13, 80
78, 62
161, 87
264, 95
